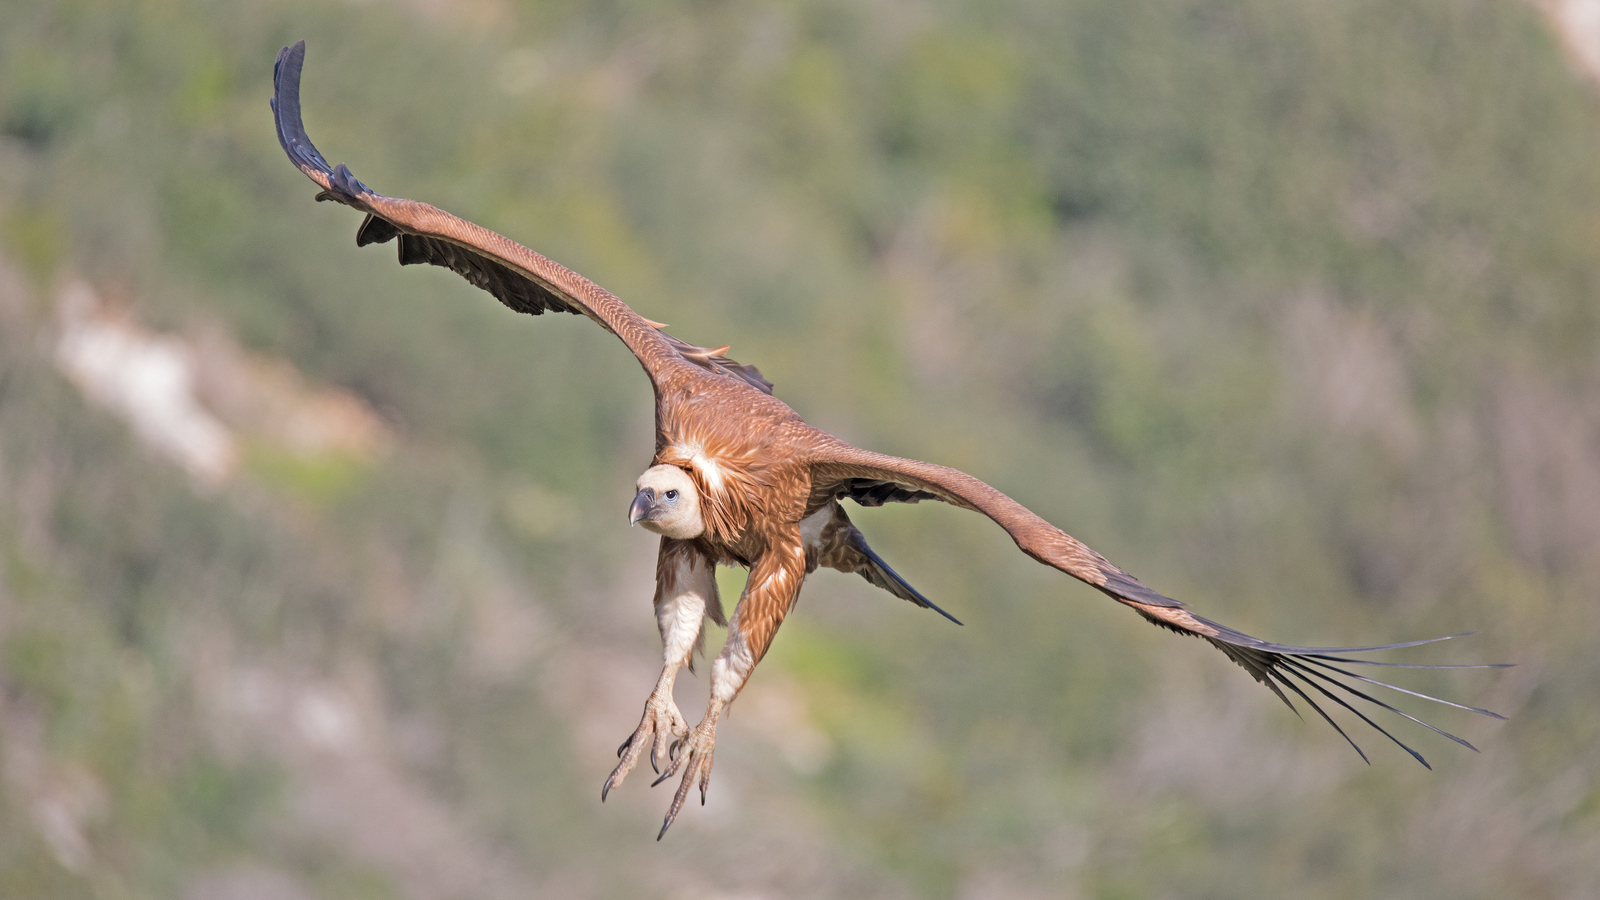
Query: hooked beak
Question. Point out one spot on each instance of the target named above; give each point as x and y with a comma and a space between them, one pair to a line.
643, 502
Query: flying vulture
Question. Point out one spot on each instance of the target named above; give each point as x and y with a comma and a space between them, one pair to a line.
739, 479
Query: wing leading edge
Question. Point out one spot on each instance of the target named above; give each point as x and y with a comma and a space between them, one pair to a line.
1308, 673
518, 277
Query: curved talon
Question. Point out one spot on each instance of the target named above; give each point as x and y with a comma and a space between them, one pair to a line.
701, 767
695, 761
660, 721
673, 765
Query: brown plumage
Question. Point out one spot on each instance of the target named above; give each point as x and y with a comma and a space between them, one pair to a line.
739, 479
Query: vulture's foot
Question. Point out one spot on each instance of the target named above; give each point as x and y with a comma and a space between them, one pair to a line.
661, 722
694, 757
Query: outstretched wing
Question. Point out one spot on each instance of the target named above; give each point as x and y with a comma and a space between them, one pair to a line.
872, 479
518, 277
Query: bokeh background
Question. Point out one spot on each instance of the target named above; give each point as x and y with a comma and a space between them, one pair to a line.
314, 575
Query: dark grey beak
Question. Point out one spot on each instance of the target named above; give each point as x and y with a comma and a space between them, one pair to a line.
642, 504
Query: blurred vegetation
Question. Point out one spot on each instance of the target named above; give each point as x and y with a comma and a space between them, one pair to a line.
1288, 308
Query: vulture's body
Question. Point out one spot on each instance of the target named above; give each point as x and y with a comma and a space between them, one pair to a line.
739, 479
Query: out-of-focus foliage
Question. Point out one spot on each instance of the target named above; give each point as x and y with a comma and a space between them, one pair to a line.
1287, 307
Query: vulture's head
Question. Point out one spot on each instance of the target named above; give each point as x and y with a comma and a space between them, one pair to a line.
667, 503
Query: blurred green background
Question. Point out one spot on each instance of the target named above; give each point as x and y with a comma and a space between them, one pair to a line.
1287, 307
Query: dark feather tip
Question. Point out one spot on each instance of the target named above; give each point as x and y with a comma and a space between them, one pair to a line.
347, 182
1306, 671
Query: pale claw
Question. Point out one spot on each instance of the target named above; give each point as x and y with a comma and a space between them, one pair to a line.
695, 757
661, 722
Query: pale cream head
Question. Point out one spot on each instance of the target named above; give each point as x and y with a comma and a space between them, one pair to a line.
668, 503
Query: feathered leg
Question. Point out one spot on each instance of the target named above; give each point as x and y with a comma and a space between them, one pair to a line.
686, 591
774, 584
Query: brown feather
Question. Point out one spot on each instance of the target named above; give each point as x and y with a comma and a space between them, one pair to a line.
771, 592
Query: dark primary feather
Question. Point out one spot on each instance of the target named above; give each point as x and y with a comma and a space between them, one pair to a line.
1291, 667
286, 115
1280, 666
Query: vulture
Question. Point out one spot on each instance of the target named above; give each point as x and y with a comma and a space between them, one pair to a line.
738, 479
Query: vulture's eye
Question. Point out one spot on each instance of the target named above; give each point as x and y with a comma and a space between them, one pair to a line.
672, 495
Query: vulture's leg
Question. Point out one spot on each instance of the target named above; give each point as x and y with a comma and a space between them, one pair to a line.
686, 591
773, 586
